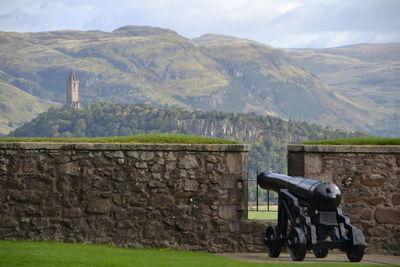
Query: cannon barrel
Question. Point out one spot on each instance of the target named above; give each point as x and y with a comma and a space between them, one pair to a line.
322, 195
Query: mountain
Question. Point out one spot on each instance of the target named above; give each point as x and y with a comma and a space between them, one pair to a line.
267, 135
271, 83
139, 64
366, 74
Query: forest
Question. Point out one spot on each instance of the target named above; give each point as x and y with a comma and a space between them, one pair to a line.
267, 136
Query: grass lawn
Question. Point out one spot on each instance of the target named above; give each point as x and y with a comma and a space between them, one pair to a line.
137, 139
263, 214
358, 141
25, 253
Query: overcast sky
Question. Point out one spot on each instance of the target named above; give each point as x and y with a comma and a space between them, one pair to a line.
280, 23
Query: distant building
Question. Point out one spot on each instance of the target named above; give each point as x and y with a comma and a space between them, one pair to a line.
73, 91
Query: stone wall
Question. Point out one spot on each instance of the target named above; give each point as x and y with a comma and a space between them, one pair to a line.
177, 196
369, 178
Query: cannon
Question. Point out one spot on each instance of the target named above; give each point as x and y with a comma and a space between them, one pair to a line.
309, 219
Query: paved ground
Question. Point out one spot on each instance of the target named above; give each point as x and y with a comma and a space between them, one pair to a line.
332, 257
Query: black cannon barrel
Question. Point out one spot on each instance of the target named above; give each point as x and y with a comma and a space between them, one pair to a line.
320, 194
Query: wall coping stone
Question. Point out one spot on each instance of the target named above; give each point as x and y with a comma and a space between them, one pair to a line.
124, 146
344, 149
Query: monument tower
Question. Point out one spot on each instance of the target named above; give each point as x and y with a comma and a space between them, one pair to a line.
73, 91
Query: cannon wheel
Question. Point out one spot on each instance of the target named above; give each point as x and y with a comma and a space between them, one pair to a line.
273, 241
297, 244
355, 253
320, 252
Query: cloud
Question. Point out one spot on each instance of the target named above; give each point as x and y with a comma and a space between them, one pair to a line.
283, 23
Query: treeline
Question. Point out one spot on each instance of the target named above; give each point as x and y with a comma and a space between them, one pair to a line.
268, 136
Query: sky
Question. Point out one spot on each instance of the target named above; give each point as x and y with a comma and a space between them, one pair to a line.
280, 23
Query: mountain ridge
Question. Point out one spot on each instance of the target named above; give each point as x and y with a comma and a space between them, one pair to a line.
142, 64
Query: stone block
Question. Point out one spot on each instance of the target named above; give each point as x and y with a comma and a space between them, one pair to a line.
171, 156
147, 155
72, 212
373, 179
377, 231
211, 158
162, 201
170, 166
152, 230
188, 161
366, 214
234, 227
141, 165
101, 183
227, 182
104, 224
220, 168
40, 223
133, 154
155, 168
7, 221
190, 185
39, 182
254, 226
313, 164
234, 163
228, 212
157, 184
117, 199
387, 215
124, 224
396, 199
98, 206
184, 223
69, 199
375, 201
70, 168
296, 164
29, 166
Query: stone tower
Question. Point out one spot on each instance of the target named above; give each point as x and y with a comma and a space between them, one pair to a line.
73, 91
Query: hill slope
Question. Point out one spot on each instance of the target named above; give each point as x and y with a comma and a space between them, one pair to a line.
157, 66
18, 107
366, 74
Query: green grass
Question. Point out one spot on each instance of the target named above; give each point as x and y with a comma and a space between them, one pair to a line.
262, 214
25, 253
358, 141
257, 215
137, 139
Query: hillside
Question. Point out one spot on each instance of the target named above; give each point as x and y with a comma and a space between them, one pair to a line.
267, 135
157, 66
268, 80
18, 107
366, 74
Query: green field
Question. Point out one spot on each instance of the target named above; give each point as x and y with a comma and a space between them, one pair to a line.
25, 253
358, 141
262, 213
137, 139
